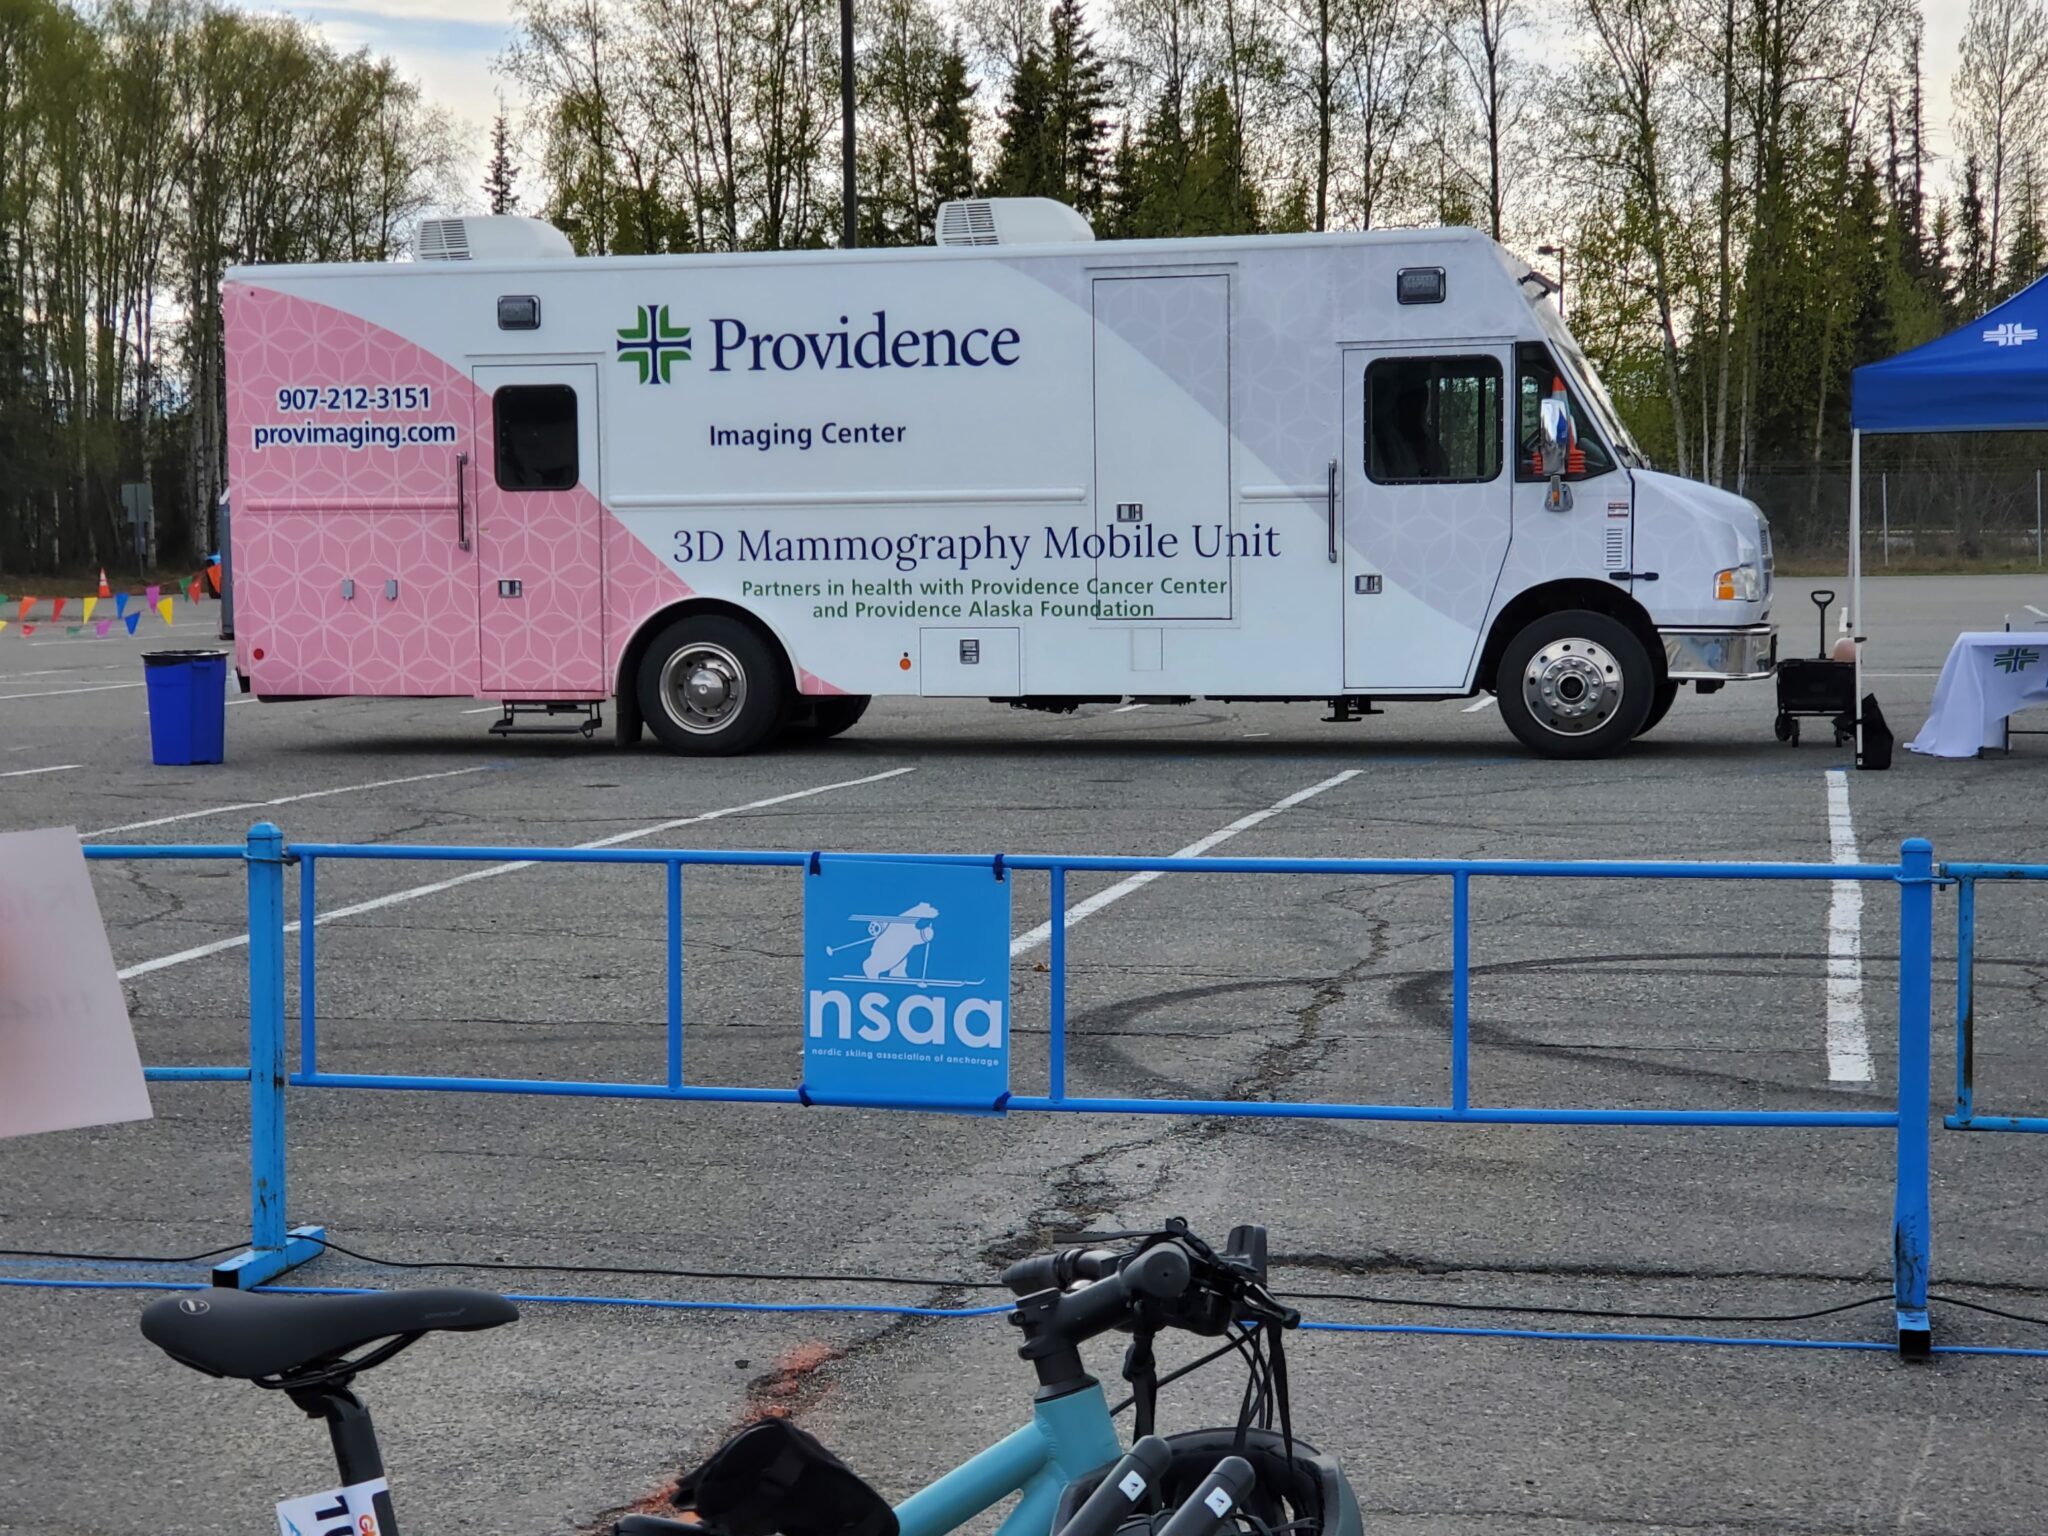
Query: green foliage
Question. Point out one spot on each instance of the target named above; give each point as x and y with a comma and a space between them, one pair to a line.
213, 137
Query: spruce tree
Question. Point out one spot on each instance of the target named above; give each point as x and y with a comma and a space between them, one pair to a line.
502, 173
1028, 149
2026, 251
1975, 272
1124, 198
1223, 200
951, 126
1078, 99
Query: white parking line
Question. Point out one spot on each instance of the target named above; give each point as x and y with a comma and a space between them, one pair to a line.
414, 893
257, 805
58, 693
1024, 943
1848, 1043
1487, 702
488, 709
23, 773
1125, 709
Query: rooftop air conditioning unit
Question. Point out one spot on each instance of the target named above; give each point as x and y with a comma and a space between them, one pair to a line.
498, 237
1011, 221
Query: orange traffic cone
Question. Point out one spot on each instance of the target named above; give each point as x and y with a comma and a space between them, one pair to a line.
105, 590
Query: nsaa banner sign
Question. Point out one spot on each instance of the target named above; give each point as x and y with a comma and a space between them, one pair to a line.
906, 985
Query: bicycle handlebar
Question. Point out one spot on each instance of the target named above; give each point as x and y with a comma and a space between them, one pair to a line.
1057, 1321
1060, 1269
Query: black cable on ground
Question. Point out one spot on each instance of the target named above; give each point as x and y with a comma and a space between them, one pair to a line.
120, 1258
1978, 1306
943, 1282
930, 1282
1539, 1310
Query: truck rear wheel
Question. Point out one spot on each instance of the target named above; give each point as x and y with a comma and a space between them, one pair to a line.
841, 712
712, 687
1575, 684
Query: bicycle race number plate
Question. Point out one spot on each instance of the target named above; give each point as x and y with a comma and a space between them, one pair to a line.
349, 1511
907, 985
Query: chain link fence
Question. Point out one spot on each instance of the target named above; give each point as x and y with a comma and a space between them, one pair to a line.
1915, 514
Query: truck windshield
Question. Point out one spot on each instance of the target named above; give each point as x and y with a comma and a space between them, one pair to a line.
1587, 383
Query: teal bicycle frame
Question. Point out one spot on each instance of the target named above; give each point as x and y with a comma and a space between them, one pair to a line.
1068, 1435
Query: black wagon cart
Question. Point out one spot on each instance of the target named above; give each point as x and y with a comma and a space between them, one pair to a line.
1816, 687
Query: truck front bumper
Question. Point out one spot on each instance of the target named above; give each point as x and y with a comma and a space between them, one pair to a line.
1721, 655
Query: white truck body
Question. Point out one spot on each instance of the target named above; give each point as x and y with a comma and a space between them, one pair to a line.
1181, 468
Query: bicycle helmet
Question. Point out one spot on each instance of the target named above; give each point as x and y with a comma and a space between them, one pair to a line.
1307, 1493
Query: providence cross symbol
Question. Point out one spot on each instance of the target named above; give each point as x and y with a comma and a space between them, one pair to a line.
652, 344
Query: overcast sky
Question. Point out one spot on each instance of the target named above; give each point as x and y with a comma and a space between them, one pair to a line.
448, 46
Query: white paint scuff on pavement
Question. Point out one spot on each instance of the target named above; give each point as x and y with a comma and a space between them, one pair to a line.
1848, 1041
259, 805
415, 892
58, 693
1025, 942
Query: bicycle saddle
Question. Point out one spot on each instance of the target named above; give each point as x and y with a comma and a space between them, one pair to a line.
249, 1335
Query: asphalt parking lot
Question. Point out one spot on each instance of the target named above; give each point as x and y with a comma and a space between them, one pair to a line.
1649, 994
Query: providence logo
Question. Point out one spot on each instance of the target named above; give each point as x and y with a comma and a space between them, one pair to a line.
651, 344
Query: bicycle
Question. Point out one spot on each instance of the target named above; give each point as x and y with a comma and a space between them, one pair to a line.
1067, 1466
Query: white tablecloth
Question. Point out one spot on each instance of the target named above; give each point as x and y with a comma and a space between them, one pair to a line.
1988, 675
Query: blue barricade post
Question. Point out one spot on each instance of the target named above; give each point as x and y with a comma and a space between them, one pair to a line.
272, 1250
1912, 1221
1966, 877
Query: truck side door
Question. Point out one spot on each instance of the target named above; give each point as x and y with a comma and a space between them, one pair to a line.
1427, 511
538, 526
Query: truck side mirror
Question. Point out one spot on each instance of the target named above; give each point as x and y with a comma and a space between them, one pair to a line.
1558, 438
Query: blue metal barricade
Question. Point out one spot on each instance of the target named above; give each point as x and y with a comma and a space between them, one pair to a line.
275, 1247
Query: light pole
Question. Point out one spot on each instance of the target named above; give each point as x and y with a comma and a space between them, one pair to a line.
1558, 252
849, 235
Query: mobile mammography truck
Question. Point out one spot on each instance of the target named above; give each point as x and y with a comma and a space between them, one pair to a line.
734, 493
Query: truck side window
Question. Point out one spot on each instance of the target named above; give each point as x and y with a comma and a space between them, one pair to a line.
1432, 420
1535, 375
535, 429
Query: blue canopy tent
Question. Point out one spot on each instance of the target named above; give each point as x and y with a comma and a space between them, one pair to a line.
1988, 376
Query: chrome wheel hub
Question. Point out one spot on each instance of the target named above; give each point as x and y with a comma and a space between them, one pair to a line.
1572, 686
703, 687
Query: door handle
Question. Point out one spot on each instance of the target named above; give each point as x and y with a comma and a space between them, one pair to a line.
461, 501
1332, 496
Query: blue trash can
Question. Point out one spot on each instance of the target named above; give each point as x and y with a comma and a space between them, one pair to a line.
188, 706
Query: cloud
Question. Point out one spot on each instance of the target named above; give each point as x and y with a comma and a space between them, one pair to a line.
445, 45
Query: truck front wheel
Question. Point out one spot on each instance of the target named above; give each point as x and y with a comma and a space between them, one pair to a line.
712, 687
1576, 684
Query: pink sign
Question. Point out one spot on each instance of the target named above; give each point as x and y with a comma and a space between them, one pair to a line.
67, 1051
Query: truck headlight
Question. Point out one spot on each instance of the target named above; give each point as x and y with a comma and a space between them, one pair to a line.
1739, 584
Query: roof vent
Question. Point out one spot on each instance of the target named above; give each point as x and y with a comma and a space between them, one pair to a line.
500, 237
1011, 221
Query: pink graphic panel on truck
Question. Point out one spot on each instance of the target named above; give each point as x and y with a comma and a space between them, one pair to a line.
339, 491
342, 441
